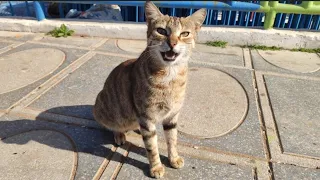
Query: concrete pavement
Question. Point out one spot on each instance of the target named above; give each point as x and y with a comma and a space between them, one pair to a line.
249, 114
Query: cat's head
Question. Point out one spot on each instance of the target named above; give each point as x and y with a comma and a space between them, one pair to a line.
172, 38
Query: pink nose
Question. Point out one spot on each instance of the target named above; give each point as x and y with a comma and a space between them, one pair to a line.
173, 44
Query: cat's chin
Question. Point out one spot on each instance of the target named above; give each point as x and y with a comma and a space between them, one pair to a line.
169, 56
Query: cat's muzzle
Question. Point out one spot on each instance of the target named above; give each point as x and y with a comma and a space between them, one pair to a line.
169, 55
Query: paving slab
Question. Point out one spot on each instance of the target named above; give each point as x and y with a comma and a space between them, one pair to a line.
25, 67
76, 94
293, 61
132, 46
7, 99
286, 63
137, 164
112, 46
4, 44
17, 36
207, 93
209, 54
35, 160
245, 136
50, 150
74, 41
295, 105
286, 171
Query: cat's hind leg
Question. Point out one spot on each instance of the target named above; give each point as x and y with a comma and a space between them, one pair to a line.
119, 138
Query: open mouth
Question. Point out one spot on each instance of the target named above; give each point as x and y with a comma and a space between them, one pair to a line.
169, 55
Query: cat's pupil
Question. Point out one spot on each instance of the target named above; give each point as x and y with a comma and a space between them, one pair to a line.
162, 31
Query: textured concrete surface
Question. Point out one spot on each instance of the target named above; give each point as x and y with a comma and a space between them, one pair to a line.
284, 171
76, 94
25, 67
4, 44
207, 92
137, 164
17, 36
76, 41
293, 61
261, 64
65, 150
295, 105
245, 116
10, 98
228, 56
45, 165
133, 46
245, 138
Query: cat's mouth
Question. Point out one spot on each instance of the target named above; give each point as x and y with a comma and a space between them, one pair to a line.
169, 55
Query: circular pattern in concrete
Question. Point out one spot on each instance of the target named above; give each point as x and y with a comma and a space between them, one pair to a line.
235, 51
293, 61
215, 104
133, 46
25, 67
40, 154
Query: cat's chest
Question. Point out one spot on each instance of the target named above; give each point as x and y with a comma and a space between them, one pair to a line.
170, 93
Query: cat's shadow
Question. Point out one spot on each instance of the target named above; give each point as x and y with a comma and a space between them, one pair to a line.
87, 140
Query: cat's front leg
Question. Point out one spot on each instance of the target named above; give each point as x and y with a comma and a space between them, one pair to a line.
170, 131
149, 135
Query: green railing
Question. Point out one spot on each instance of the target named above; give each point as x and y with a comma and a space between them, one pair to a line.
271, 8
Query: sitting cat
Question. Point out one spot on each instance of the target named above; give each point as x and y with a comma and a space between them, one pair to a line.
142, 92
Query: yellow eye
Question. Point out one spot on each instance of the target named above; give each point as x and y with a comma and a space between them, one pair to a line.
184, 34
162, 31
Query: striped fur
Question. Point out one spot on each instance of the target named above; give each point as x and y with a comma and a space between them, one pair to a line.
142, 92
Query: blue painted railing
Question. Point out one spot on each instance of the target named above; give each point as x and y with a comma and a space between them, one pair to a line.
228, 13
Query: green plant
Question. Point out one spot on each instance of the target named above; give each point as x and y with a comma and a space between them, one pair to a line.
222, 44
62, 31
317, 50
261, 47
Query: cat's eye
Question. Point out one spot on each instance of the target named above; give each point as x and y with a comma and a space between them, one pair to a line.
184, 34
162, 31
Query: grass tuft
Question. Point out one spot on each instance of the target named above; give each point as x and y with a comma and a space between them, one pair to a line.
317, 50
222, 44
261, 47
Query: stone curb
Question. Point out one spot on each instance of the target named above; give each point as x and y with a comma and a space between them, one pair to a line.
125, 30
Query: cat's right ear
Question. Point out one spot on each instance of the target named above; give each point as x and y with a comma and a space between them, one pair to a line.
152, 12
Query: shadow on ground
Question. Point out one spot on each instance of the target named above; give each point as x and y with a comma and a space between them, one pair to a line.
96, 142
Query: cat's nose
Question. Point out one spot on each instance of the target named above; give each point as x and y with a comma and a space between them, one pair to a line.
173, 40
172, 44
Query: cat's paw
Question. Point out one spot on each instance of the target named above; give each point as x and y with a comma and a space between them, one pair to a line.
177, 162
119, 138
157, 171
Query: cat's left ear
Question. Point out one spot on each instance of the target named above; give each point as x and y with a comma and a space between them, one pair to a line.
152, 12
198, 17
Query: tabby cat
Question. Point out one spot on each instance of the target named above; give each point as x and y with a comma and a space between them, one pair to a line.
142, 92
